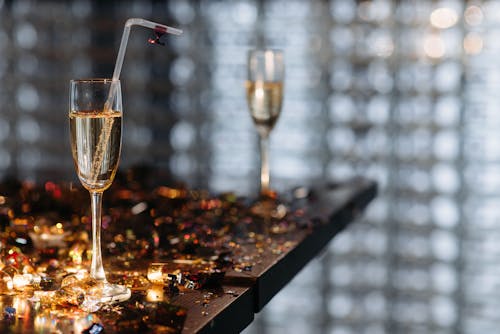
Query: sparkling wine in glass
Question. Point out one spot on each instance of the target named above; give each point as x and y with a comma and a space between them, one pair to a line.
95, 129
264, 91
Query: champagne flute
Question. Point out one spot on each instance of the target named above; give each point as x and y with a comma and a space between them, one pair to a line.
264, 90
95, 129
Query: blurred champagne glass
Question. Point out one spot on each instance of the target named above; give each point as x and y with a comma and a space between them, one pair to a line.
264, 91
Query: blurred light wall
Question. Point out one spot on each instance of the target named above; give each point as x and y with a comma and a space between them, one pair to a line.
404, 92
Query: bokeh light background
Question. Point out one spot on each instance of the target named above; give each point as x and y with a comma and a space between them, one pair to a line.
404, 92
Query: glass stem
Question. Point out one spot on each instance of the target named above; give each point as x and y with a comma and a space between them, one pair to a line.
96, 269
264, 164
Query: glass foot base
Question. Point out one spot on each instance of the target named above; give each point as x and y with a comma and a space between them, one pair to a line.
104, 294
114, 293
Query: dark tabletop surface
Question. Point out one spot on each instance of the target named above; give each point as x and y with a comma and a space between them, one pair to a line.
267, 261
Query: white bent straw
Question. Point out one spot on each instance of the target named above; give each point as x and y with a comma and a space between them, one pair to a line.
123, 46
106, 131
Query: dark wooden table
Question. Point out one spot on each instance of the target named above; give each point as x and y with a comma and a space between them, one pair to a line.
334, 206
230, 307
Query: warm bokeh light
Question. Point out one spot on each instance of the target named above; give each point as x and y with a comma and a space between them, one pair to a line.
155, 293
473, 43
434, 46
473, 15
444, 17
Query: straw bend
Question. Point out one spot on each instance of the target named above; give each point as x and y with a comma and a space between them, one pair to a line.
126, 32
152, 25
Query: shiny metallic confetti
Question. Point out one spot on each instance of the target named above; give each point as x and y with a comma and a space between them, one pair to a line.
9, 312
160, 242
